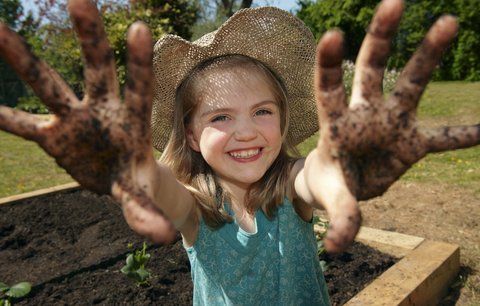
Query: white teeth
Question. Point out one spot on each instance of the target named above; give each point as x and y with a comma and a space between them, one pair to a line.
244, 154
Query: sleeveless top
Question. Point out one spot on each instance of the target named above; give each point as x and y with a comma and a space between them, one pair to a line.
276, 265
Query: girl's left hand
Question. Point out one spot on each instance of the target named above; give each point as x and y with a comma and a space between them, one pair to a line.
365, 146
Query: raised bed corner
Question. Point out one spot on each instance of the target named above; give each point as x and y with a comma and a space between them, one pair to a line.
421, 277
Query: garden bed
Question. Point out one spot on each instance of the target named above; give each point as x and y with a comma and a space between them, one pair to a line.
71, 244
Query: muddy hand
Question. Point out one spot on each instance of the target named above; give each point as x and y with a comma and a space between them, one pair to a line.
368, 144
100, 140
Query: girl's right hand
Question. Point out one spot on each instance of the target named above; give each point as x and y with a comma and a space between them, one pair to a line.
102, 142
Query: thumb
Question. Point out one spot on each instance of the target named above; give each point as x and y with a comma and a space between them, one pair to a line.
328, 186
142, 216
343, 226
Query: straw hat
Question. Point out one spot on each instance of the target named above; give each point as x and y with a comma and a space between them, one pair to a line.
274, 37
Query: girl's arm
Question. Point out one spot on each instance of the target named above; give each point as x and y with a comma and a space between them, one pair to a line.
367, 144
104, 143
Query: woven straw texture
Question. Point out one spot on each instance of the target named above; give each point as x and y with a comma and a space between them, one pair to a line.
273, 36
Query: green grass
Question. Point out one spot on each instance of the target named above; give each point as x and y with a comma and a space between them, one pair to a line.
457, 100
25, 167
453, 103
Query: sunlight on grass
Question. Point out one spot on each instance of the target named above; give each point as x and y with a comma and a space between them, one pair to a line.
451, 101
461, 167
25, 167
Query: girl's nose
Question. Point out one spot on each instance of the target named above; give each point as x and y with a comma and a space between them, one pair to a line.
245, 129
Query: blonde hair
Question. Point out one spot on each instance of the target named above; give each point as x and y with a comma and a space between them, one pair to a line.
193, 171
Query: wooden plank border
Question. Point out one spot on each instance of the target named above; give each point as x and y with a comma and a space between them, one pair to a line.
392, 243
422, 277
38, 193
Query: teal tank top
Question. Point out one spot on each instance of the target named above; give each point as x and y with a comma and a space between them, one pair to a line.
276, 265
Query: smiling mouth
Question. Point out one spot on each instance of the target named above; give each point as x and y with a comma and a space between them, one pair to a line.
245, 153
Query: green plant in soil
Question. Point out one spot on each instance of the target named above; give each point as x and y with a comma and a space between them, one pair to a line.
18, 290
135, 265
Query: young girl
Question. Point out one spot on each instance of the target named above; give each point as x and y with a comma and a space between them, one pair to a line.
249, 244
231, 105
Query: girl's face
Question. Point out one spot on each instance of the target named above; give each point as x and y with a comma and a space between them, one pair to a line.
236, 126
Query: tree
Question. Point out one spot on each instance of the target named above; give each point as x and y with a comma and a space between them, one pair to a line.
462, 61
350, 16
56, 41
222, 8
52, 38
228, 7
419, 16
10, 11
173, 16
11, 87
214, 13
466, 55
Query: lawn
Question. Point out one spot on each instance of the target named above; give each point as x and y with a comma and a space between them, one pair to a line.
24, 167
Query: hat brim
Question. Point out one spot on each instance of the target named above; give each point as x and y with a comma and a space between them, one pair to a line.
273, 36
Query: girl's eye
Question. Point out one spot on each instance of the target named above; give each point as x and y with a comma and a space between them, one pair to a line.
263, 112
219, 118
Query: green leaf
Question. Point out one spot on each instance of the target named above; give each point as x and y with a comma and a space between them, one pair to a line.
126, 270
143, 275
4, 287
131, 266
19, 290
132, 262
134, 267
323, 265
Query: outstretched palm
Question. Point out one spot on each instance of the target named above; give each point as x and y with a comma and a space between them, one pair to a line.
100, 140
368, 144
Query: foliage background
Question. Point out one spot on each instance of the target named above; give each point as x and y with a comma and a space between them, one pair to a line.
461, 62
50, 31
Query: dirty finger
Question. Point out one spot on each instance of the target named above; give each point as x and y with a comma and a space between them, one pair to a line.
100, 73
373, 55
452, 138
45, 82
329, 88
139, 82
21, 123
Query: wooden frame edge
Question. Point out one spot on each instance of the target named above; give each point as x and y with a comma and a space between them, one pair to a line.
421, 277
37, 193
393, 243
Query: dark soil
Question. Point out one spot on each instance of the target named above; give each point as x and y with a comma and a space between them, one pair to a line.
71, 246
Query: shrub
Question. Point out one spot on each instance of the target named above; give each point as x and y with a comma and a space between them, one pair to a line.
32, 105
